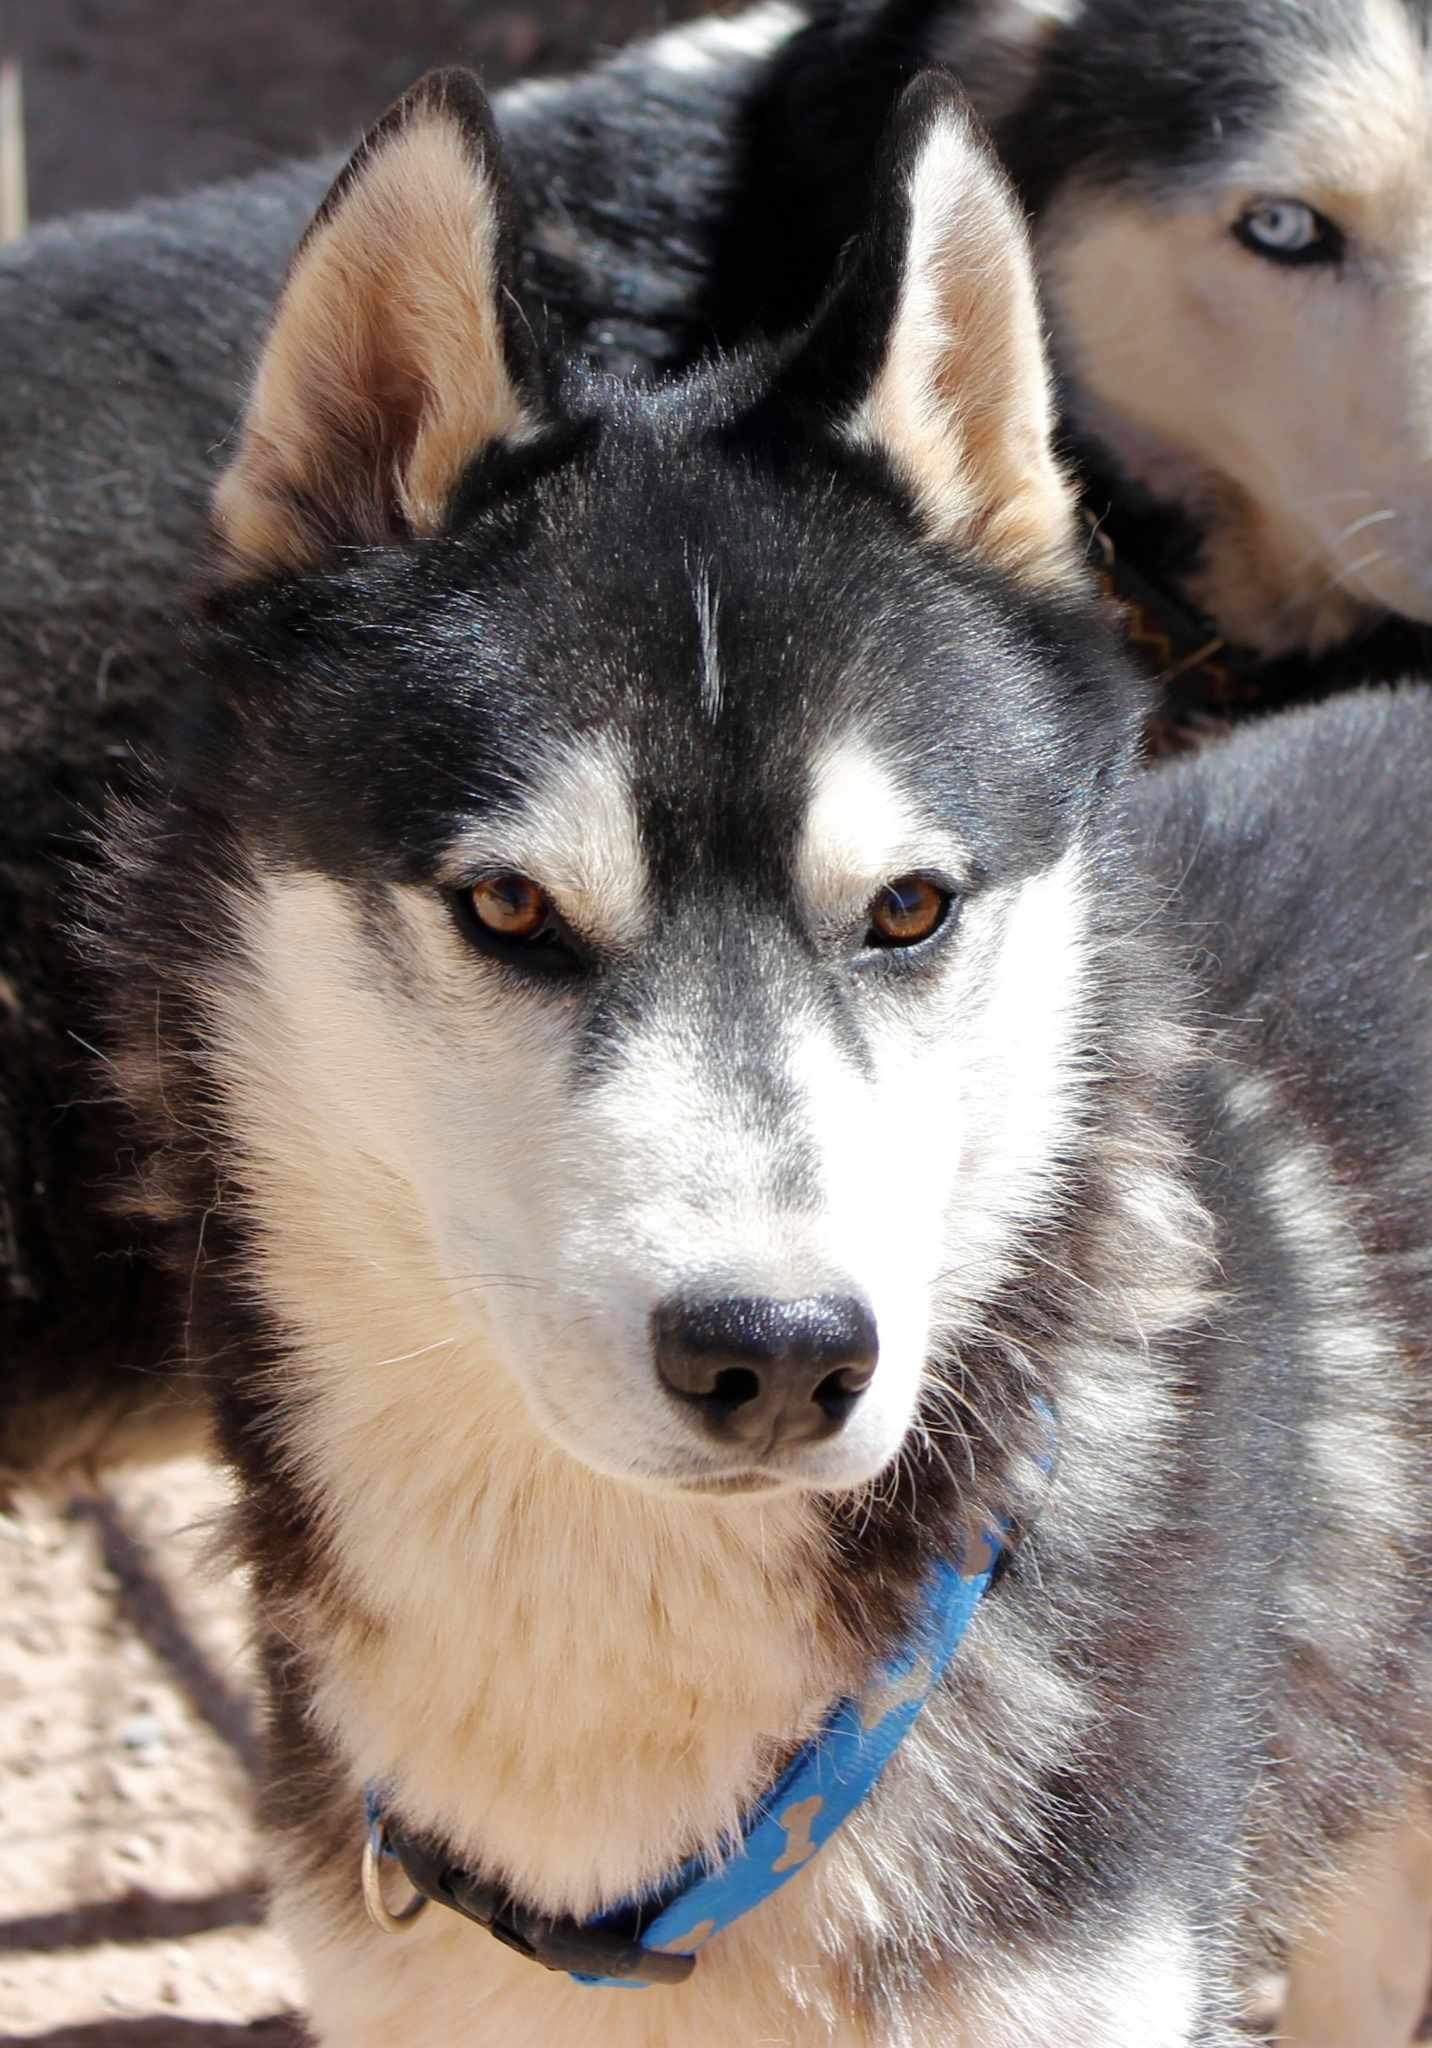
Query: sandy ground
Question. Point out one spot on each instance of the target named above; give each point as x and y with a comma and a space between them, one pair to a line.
132, 1912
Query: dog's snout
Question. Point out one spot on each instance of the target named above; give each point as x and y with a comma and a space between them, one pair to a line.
765, 1373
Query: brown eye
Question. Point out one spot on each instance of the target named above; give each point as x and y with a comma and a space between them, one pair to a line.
511, 907
906, 912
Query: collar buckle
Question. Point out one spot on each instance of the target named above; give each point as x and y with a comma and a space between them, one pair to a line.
558, 1943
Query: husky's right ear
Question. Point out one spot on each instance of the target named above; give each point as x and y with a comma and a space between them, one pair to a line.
929, 352
397, 353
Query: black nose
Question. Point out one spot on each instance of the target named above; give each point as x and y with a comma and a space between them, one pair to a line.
767, 1372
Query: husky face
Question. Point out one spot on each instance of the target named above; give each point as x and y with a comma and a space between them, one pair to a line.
1236, 244
664, 946
713, 1079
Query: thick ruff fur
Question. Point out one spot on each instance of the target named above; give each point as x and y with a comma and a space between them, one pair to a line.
1139, 1129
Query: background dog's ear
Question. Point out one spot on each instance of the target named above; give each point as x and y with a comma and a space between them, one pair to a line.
930, 350
397, 352
995, 48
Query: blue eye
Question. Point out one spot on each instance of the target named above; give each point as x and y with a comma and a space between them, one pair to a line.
1289, 231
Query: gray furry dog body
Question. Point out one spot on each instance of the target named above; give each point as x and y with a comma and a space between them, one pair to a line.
667, 1034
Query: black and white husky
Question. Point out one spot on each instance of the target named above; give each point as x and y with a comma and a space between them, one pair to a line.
1230, 232
697, 1097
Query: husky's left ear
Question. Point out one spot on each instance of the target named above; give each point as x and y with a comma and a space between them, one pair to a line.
397, 353
930, 352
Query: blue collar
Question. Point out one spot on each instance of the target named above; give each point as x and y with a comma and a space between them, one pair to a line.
655, 1937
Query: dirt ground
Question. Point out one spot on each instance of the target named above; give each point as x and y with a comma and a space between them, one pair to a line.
132, 1910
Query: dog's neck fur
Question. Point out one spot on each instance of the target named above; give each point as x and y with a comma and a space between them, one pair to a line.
574, 1683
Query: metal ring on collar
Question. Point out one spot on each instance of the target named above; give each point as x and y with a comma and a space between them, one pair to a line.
379, 1911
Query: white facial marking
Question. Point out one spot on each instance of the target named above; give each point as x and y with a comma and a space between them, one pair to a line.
962, 1126
704, 45
577, 836
862, 831
558, 1214
703, 592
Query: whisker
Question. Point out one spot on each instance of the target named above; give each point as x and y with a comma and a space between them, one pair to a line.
1319, 552
404, 1357
1368, 519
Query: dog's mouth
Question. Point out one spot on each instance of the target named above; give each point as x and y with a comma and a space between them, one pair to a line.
731, 1484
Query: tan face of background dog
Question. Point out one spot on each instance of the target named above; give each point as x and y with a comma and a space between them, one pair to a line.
1287, 403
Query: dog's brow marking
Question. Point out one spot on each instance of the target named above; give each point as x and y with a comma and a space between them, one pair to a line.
860, 830
703, 45
577, 836
709, 680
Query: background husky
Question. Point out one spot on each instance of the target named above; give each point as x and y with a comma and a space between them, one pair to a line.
641, 859
1236, 244
1235, 251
